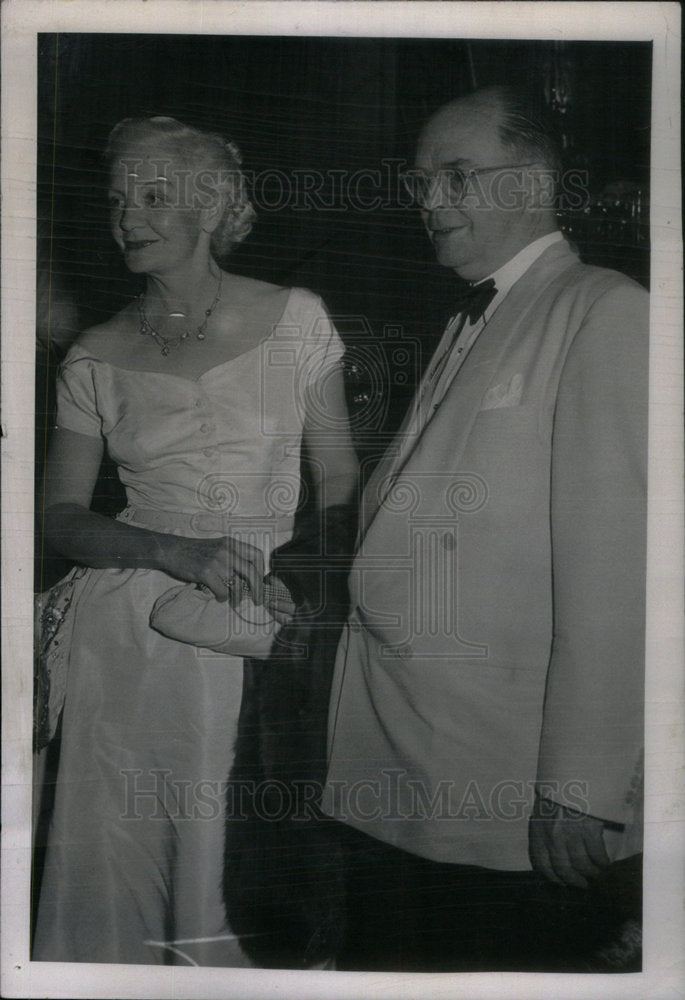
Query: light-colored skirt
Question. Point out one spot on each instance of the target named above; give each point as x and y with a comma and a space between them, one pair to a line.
134, 863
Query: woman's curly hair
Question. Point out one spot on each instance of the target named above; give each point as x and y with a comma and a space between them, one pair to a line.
218, 161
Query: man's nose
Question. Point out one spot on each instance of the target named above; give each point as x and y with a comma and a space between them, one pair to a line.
437, 194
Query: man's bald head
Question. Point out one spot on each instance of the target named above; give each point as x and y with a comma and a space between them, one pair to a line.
521, 118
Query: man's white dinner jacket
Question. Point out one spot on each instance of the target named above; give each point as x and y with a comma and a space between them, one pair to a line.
496, 639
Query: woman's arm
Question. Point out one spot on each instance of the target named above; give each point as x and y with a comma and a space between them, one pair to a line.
91, 539
334, 467
329, 448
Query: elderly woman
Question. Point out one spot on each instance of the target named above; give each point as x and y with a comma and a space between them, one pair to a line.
203, 389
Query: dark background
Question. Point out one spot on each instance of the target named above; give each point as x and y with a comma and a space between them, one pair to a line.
321, 105
316, 104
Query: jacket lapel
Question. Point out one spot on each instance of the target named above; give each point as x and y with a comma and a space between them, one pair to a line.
445, 435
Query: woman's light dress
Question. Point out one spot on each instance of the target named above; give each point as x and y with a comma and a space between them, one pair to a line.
135, 851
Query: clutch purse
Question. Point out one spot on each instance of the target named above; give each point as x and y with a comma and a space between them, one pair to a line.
190, 613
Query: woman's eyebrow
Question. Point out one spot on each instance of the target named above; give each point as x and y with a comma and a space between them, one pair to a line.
150, 183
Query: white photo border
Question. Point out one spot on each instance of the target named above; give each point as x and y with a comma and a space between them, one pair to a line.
22, 20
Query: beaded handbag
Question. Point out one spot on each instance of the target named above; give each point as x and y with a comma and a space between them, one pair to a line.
54, 614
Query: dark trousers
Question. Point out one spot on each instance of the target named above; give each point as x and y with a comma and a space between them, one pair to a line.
408, 914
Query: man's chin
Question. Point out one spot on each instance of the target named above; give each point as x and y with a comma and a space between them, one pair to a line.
465, 266
447, 251
455, 261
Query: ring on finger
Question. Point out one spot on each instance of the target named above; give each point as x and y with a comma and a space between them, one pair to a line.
229, 580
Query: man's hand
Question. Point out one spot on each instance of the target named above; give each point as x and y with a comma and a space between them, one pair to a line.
564, 845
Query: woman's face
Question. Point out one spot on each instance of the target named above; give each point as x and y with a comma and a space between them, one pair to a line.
153, 218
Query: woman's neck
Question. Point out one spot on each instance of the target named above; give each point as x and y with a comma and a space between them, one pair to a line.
188, 295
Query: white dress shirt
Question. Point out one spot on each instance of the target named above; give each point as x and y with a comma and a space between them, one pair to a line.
448, 359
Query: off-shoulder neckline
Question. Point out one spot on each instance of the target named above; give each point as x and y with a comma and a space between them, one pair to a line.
89, 356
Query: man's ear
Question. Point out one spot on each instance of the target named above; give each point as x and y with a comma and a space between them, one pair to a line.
541, 188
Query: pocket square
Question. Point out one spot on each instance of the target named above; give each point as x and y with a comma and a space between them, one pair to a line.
504, 394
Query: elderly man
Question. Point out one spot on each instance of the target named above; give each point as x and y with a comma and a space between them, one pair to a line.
486, 717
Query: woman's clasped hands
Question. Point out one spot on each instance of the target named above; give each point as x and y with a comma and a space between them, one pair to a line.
227, 566
231, 569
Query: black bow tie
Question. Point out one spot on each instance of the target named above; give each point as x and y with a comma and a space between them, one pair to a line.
473, 300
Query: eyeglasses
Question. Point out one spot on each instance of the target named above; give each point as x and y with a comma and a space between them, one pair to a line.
420, 184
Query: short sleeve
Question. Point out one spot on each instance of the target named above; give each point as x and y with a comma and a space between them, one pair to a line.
76, 397
322, 346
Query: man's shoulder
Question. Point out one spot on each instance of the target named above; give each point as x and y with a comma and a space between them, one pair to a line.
561, 274
593, 276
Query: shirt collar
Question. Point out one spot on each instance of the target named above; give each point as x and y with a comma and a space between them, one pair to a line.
509, 273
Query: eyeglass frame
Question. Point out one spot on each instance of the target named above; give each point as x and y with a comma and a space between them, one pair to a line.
407, 176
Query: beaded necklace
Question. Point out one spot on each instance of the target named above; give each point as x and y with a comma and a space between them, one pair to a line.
166, 343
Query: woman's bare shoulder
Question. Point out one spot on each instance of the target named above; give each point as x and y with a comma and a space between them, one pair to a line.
105, 340
265, 302
251, 290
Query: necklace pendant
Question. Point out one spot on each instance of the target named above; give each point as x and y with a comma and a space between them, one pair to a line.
166, 343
